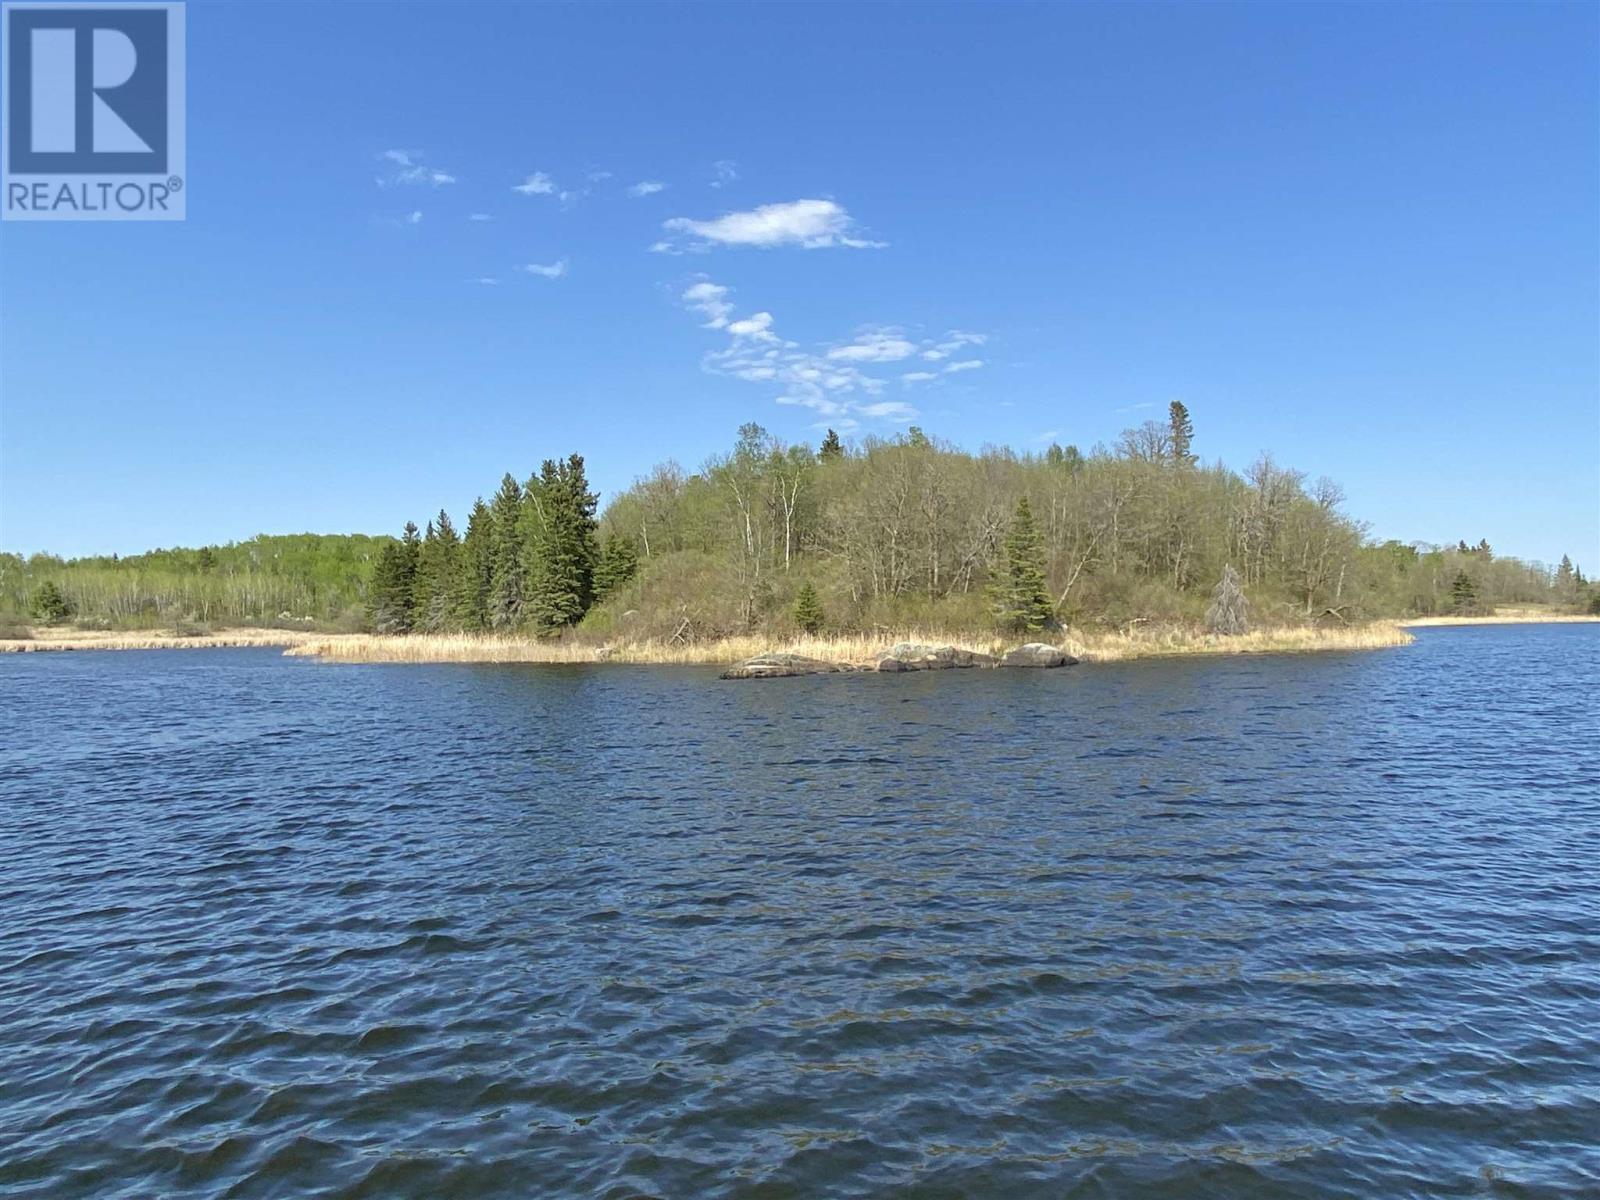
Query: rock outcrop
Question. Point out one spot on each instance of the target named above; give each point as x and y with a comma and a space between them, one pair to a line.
915, 656
1037, 654
782, 663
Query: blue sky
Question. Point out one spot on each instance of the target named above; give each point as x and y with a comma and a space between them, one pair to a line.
1362, 237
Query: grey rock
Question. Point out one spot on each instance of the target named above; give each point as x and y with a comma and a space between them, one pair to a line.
1037, 654
780, 664
916, 656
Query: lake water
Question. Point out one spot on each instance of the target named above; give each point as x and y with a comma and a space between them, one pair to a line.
1310, 926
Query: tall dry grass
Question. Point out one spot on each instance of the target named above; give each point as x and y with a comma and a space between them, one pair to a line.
856, 649
47, 638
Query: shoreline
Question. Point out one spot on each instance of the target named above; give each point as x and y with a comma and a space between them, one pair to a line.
852, 651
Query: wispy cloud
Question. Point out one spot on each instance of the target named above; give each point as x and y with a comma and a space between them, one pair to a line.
647, 187
875, 345
919, 376
487, 280
553, 270
971, 364
828, 384
402, 167
952, 341
479, 217
723, 172
811, 224
710, 300
537, 184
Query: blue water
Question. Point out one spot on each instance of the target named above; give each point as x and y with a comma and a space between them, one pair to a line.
1259, 927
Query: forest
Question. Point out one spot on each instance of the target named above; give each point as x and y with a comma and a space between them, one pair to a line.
883, 533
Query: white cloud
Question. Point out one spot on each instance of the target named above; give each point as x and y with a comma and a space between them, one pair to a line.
971, 364
414, 218
812, 224
486, 280
723, 172
537, 184
875, 345
479, 217
647, 187
919, 376
889, 410
553, 270
403, 167
757, 325
710, 300
952, 342
1049, 435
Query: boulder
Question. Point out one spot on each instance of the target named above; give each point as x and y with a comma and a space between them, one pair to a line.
779, 664
1037, 654
916, 656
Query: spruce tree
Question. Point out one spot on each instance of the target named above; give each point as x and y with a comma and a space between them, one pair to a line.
1463, 594
561, 588
391, 602
619, 562
50, 604
808, 612
831, 448
1182, 429
433, 590
1021, 601
505, 569
1229, 611
475, 569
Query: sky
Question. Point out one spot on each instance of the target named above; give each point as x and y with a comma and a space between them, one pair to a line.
430, 243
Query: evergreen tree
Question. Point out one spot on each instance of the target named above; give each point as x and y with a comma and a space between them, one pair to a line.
1182, 432
619, 562
475, 570
1463, 594
207, 560
832, 447
562, 584
1229, 611
50, 605
506, 559
391, 606
433, 590
808, 612
1021, 601
1566, 581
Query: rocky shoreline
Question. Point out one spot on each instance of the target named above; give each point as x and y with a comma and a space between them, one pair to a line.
902, 656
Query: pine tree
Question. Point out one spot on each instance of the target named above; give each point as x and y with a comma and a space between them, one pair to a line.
619, 562
474, 573
561, 586
1229, 611
1463, 594
1021, 601
1565, 582
50, 604
1182, 431
505, 557
832, 447
808, 612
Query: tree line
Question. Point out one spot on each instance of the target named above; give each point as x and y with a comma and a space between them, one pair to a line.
885, 532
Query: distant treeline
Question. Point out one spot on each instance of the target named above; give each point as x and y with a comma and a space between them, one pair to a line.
301, 579
887, 532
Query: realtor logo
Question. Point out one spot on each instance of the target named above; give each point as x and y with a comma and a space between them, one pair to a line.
93, 112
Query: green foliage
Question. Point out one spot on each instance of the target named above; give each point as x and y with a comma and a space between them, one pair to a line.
393, 604
1463, 593
1181, 432
562, 567
1022, 603
618, 563
506, 556
50, 605
831, 447
475, 572
808, 612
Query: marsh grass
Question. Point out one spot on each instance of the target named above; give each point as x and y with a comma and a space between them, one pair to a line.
188, 638
856, 649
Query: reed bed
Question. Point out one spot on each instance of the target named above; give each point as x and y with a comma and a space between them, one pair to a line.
1505, 617
854, 649
78, 639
